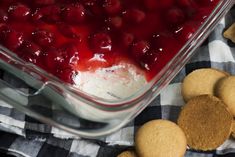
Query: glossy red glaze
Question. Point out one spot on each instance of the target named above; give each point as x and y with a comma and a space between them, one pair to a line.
66, 36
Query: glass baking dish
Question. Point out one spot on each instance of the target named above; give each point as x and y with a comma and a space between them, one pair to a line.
95, 116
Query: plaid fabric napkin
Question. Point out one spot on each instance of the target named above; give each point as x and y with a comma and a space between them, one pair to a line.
21, 135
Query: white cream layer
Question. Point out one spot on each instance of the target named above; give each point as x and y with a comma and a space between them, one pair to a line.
116, 82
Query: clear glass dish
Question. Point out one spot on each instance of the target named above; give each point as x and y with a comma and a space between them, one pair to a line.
95, 116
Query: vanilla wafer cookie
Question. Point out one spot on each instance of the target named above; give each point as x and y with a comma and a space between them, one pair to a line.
160, 138
225, 90
230, 33
201, 81
206, 122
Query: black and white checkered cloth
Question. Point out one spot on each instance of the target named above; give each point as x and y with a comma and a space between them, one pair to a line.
24, 136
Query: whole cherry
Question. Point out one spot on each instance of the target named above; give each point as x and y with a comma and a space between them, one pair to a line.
134, 15
175, 16
112, 6
74, 13
19, 12
14, 40
139, 49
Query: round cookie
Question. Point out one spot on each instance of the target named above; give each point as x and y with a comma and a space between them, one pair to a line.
225, 90
160, 138
201, 81
127, 154
206, 122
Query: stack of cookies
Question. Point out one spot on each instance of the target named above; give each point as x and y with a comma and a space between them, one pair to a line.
207, 117
205, 122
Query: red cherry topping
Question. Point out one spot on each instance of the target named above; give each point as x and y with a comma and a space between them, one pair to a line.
186, 3
14, 40
116, 21
151, 4
44, 2
74, 13
89, 2
68, 31
4, 30
3, 16
148, 60
201, 15
166, 3
97, 10
186, 31
52, 13
175, 16
134, 15
19, 12
30, 52
127, 39
160, 38
67, 36
70, 54
43, 38
112, 6
101, 42
48, 13
53, 58
139, 49
160, 47
37, 15
160, 41
207, 2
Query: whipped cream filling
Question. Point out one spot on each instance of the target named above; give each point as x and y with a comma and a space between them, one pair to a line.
113, 83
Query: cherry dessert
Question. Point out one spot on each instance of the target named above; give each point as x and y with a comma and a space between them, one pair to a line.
65, 36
